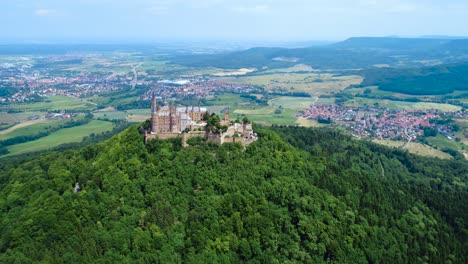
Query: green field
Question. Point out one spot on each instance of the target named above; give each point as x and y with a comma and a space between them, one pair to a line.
441, 142
298, 102
298, 68
415, 148
301, 121
29, 130
292, 102
67, 135
145, 112
313, 83
227, 99
14, 118
54, 103
266, 115
111, 115
356, 102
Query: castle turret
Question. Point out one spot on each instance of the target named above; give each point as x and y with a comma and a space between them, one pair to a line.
154, 115
153, 103
173, 124
226, 116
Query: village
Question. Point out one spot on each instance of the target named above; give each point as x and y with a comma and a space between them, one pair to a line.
28, 84
382, 123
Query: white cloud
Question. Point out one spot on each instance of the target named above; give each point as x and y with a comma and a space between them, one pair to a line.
45, 12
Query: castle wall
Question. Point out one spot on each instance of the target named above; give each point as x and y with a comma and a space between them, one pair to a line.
216, 138
149, 136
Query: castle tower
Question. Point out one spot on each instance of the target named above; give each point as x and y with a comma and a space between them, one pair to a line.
226, 116
154, 115
153, 103
173, 119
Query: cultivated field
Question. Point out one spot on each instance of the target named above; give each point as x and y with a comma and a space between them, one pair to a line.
66, 135
15, 118
401, 104
313, 83
441, 142
54, 103
266, 115
26, 128
298, 102
301, 121
242, 71
298, 68
415, 148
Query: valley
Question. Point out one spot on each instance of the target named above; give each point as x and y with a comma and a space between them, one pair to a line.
106, 85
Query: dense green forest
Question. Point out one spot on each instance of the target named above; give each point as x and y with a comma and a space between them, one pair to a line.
434, 80
353, 53
296, 195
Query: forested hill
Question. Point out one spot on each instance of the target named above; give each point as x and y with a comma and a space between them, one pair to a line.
296, 195
434, 80
353, 53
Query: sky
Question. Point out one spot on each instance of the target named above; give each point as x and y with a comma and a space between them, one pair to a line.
276, 20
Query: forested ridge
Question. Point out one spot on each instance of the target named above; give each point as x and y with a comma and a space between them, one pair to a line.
296, 195
433, 80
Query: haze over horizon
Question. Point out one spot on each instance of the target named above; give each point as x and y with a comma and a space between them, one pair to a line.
266, 20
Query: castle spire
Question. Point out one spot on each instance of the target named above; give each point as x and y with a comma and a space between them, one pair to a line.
153, 103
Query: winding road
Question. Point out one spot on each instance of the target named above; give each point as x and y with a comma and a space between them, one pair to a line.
135, 75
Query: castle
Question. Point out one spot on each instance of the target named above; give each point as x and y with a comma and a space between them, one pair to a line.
169, 121
172, 119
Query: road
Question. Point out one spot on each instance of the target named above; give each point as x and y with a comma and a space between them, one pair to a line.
135, 76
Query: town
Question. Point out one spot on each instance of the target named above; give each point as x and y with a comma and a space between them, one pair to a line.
24, 82
382, 123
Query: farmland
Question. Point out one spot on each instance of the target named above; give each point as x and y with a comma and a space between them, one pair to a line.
415, 148
312, 83
401, 105
53, 103
66, 135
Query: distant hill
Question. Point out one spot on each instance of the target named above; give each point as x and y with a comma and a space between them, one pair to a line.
434, 80
296, 195
318, 57
390, 43
353, 53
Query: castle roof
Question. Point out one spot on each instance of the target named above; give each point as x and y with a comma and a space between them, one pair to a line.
166, 108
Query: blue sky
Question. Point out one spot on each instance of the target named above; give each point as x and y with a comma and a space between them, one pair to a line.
235, 19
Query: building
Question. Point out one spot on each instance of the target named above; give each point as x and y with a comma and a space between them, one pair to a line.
172, 119
169, 121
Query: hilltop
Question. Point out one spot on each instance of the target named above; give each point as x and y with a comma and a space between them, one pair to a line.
438, 79
296, 194
353, 53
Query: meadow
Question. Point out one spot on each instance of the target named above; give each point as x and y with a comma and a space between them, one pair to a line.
266, 115
402, 105
54, 103
415, 148
28, 128
66, 135
312, 83
441, 142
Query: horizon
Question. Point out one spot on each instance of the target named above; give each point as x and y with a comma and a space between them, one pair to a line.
195, 41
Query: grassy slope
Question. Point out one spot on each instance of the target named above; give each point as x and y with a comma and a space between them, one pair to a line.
67, 135
55, 103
